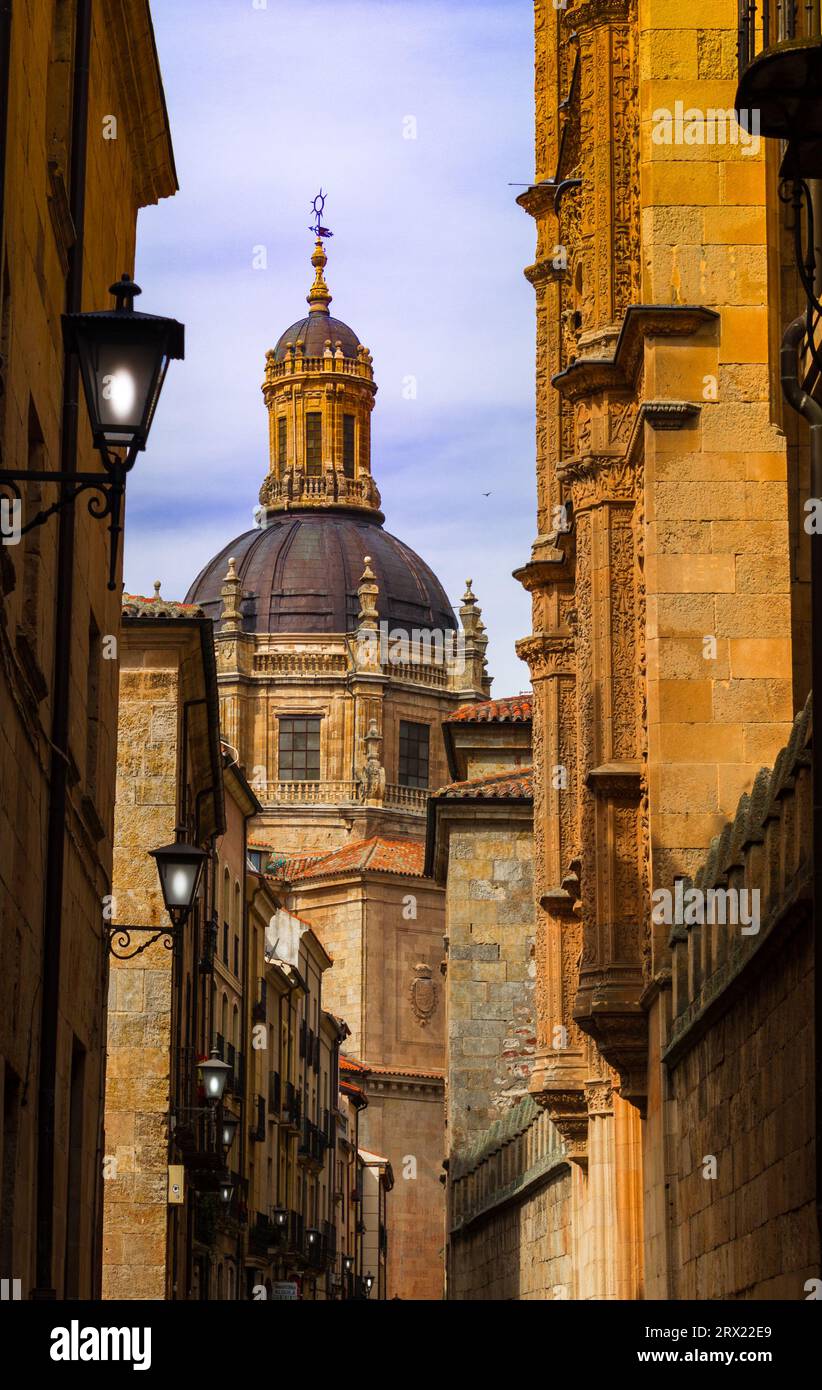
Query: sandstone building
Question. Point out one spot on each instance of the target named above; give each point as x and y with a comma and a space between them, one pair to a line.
338, 657
260, 1196
668, 660
68, 208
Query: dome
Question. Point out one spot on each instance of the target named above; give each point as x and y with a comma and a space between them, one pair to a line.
301, 573
315, 330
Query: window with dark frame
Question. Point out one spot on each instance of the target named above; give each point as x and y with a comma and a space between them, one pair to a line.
299, 749
348, 446
413, 768
314, 443
282, 441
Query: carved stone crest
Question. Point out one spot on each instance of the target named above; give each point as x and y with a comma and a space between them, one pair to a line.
423, 994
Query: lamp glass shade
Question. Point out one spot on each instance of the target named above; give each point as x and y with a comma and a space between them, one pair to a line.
226, 1189
214, 1073
124, 357
180, 866
229, 1129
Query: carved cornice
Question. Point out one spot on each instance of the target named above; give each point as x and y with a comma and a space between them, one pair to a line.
616, 781
590, 14
620, 1031
588, 375
567, 1109
669, 415
543, 272
548, 654
596, 479
550, 563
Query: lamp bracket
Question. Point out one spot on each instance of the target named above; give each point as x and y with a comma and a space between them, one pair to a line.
119, 940
107, 489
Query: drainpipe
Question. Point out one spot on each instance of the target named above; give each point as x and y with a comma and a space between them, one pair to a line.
5, 77
811, 411
61, 685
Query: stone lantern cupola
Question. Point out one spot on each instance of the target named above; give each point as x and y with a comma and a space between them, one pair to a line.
319, 389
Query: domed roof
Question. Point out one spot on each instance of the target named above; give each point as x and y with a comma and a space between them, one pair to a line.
315, 331
301, 572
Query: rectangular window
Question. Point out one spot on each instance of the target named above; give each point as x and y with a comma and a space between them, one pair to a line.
314, 443
413, 769
299, 745
282, 441
348, 446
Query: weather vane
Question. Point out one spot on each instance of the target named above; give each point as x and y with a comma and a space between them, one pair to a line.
317, 227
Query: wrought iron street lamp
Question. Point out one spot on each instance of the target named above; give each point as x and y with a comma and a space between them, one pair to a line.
214, 1073
124, 357
228, 1131
180, 867
369, 1284
226, 1189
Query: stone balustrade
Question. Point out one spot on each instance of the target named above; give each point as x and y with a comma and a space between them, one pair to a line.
502, 1162
335, 793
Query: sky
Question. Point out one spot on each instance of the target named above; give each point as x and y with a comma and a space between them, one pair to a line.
268, 102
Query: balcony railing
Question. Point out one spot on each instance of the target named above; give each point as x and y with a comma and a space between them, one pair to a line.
768, 23
335, 793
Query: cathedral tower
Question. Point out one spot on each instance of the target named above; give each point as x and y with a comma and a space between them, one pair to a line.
340, 733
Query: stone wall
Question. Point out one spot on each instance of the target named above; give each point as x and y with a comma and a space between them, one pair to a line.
511, 1212
489, 914
139, 1010
740, 1057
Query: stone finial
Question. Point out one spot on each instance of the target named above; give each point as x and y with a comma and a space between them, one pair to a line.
318, 296
157, 584
367, 594
475, 676
470, 611
367, 650
231, 618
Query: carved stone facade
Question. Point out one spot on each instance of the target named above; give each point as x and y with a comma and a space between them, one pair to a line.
338, 658
661, 680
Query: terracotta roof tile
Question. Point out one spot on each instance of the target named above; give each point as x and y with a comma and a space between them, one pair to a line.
514, 784
376, 855
406, 1071
350, 1064
514, 709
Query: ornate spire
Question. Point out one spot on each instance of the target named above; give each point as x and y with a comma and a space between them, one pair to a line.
319, 296
230, 593
367, 594
476, 643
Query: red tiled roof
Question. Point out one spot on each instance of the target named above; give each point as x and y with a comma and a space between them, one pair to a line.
515, 784
349, 1064
514, 709
406, 1071
374, 856
292, 868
